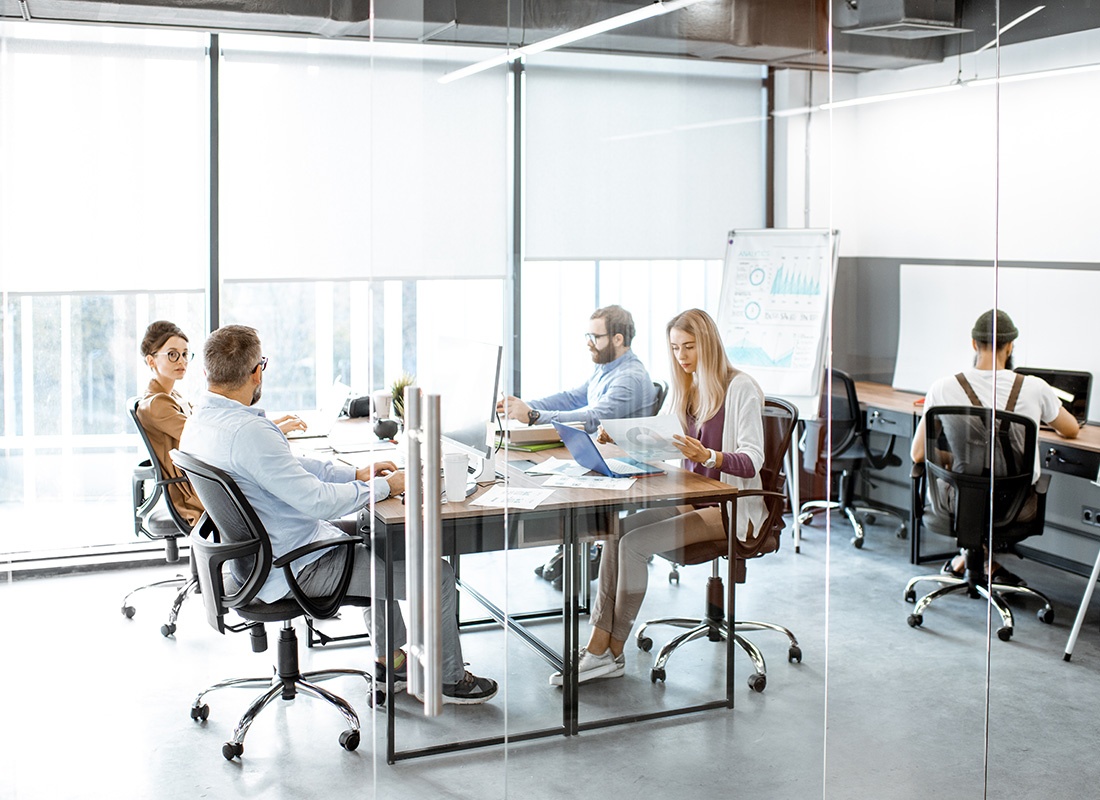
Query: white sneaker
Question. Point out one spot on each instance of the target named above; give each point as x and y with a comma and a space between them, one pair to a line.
591, 666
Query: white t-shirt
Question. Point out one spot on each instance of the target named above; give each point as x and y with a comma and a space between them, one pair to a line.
1036, 399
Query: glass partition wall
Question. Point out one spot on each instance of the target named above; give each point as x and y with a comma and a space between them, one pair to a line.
370, 211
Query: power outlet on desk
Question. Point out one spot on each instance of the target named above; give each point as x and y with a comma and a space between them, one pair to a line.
1090, 516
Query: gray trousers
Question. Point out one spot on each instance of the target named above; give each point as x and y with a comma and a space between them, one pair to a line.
322, 576
624, 569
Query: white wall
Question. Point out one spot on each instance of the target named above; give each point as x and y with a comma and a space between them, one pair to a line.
936, 176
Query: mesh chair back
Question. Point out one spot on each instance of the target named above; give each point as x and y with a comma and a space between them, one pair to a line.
160, 477
780, 419
236, 537
970, 453
839, 409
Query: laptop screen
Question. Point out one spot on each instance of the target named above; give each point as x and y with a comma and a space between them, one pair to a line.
1072, 387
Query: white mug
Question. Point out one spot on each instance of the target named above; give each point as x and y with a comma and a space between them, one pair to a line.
382, 402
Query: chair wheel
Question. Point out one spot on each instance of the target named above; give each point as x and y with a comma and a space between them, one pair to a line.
349, 739
1046, 614
805, 519
376, 698
870, 518
645, 644
757, 681
656, 674
911, 596
794, 654
1004, 634
200, 713
232, 750
674, 577
128, 612
857, 542
903, 531
915, 620
167, 629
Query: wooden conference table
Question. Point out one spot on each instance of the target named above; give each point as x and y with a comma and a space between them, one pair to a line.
566, 517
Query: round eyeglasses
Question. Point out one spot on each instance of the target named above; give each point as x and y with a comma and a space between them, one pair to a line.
176, 355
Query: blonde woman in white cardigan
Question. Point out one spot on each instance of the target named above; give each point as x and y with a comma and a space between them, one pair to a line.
720, 409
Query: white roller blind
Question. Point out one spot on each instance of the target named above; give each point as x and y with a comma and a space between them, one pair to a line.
641, 158
103, 142
343, 165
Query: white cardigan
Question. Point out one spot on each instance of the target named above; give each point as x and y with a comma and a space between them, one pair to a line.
743, 432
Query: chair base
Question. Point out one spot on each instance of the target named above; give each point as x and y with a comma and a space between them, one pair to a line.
853, 512
995, 594
286, 683
185, 585
716, 630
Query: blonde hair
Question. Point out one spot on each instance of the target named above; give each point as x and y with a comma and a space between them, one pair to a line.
703, 393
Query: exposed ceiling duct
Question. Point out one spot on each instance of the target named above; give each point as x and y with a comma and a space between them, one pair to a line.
869, 34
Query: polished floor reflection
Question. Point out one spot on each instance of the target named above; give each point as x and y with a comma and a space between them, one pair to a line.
97, 705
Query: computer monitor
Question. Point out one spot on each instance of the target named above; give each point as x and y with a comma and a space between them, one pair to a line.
466, 376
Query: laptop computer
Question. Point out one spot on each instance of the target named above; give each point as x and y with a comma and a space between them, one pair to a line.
585, 453
1072, 387
319, 423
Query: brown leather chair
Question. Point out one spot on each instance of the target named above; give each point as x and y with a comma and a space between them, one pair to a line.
780, 418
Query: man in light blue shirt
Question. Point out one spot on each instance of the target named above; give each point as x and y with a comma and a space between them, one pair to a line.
619, 387
295, 496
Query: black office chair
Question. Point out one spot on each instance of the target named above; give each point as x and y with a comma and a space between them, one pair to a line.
659, 399
230, 532
156, 520
850, 449
966, 499
780, 418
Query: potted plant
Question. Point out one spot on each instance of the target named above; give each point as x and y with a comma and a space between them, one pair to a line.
398, 391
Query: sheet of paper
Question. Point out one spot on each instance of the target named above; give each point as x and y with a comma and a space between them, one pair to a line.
512, 497
590, 482
557, 466
646, 438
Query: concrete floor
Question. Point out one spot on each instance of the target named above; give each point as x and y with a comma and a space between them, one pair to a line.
96, 705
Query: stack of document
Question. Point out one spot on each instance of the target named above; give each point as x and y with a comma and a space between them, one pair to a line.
521, 436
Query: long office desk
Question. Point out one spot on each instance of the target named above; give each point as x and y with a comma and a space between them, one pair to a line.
897, 413
560, 519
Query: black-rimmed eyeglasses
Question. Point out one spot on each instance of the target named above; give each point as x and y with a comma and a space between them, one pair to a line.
592, 338
176, 355
262, 365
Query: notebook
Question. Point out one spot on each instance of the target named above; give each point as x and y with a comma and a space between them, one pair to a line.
1071, 386
319, 423
585, 453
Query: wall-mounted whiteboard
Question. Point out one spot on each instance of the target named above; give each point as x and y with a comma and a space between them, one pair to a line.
774, 309
1054, 310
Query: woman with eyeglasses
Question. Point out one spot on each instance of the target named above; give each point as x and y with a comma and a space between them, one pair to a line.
720, 410
163, 411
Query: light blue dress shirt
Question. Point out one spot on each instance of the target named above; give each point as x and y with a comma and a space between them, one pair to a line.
617, 390
292, 496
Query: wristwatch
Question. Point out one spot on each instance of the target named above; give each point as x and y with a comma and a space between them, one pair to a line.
533, 416
712, 460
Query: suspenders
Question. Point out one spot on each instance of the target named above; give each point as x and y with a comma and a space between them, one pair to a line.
1002, 434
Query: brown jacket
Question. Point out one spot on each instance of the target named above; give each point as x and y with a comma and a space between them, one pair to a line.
163, 414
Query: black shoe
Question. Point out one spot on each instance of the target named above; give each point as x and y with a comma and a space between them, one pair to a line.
551, 570
470, 690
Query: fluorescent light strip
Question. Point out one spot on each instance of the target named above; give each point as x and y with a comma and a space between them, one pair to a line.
611, 23
1009, 26
882, 98
1032, 76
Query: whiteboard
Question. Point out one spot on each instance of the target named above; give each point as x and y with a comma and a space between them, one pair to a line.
774, 309
1054, 310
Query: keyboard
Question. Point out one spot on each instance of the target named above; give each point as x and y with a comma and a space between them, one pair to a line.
623, 468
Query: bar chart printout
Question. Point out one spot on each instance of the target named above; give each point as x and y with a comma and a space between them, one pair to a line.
774, 306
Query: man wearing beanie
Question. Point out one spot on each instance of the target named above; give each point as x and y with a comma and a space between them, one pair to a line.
992, 339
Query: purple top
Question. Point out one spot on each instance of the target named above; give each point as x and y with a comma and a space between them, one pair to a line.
710, 434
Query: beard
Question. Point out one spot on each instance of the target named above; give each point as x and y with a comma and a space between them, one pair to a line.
256, 393
604, 355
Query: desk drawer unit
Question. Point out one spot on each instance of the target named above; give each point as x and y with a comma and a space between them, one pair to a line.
893, 423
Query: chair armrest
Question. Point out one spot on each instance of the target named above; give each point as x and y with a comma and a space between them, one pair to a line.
284, 561
1042, 484
917, 471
